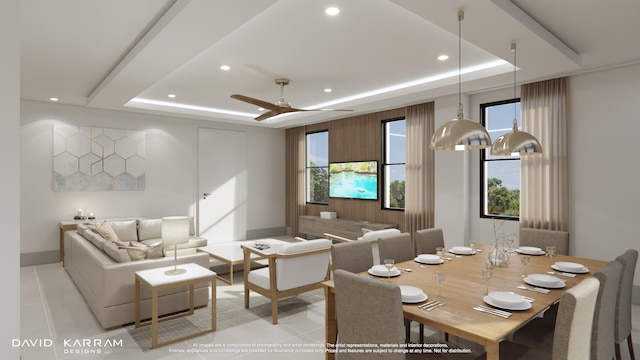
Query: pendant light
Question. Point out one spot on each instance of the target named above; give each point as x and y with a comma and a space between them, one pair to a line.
460, 133
515, 142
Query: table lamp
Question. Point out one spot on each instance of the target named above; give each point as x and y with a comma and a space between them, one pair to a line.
175, 230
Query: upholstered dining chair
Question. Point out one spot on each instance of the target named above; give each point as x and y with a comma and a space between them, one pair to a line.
427, 240
353, 256
604, 318
397, 247
541, 238
623, 305
369, 235
292, 269
570, 338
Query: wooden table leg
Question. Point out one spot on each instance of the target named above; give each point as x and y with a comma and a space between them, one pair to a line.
137, 302
213, 304
493, 351
154, 318
331, 333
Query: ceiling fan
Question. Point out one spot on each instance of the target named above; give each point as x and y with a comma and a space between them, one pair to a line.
279, 107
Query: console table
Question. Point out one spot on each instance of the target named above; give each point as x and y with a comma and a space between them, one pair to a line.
351, 229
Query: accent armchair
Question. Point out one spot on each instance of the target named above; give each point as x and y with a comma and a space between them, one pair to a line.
292, 269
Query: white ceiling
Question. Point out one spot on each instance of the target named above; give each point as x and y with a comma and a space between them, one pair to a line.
375, 54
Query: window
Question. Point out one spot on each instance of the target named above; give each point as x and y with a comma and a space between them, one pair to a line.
499, 175
317, 166
394, 162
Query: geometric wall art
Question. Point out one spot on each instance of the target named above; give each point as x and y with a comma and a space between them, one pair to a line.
98, 159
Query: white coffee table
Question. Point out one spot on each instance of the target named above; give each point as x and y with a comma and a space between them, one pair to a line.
231, 253
156, 280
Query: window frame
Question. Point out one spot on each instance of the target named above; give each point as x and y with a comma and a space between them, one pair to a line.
484, 160
383, 172
307, 168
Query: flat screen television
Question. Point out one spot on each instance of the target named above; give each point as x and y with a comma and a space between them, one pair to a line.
354, 180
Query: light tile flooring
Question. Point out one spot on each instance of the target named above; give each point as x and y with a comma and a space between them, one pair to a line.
52, 310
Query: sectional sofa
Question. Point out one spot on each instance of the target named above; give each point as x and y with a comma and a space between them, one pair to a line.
103, 269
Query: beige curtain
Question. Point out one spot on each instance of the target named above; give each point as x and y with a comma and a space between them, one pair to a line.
544, 197
419, 185
295, 177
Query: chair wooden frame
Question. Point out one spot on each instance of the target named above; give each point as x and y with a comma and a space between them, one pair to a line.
272, 292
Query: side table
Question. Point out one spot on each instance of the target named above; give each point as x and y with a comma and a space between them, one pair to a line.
156, 280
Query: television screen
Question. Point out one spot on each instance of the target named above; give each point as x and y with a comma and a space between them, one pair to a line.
354, 180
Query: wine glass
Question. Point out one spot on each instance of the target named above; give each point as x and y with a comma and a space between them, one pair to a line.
551, 251
388, 263
487, 274
439, 276
526, 259
472, 245
440, 251
509, 242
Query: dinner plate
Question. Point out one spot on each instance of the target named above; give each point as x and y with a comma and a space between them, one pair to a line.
381, 270
411, 294
461, 250
504, 298
437, 262
569, 266
558, 285
522, 306
530, 250
584, 270
544, 279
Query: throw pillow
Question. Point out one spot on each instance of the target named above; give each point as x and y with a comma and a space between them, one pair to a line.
155, 250
136, 250
106, 231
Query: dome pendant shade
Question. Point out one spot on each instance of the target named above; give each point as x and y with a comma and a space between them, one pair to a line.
516, 143
460, 134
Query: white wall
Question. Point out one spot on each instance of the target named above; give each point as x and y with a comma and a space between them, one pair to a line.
10, 180
171, 181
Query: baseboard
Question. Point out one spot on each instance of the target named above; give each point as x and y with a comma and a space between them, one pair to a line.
39, 258
261, 233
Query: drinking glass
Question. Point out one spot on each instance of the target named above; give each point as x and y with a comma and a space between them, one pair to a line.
472, 245
509, 242
551, 251
388, 263
439, 276
486, 275
526, 259
440, 251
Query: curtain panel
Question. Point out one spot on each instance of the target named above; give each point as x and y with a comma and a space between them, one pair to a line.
295, 177
419, 185
544, 197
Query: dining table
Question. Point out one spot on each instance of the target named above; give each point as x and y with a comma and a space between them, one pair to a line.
464, 289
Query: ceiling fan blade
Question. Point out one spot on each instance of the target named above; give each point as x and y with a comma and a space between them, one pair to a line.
257, 102
267, 115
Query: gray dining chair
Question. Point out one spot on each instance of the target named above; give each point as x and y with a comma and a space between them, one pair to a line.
604, 318
427, 240
623, 305
397, 247
569, 338
541, 238
353, 256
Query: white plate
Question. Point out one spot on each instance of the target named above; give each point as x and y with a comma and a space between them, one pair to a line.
522, 306
544, 279
559, 285
584, 270
412, 294
530, 250
504, 298
461, 250
381, 270
569, 266
426, 258
438, 262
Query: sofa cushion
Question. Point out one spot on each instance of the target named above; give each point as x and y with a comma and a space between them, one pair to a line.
106, 231
149, 229
117, 254
86, 230
135, 250
127, 230
155, 250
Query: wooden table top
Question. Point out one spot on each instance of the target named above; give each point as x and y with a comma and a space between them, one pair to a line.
464, 288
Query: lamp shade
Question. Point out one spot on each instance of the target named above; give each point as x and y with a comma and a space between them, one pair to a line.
175, 230
460, 134
516, 143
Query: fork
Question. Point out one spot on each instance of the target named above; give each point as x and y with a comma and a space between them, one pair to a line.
433, 306
502, 314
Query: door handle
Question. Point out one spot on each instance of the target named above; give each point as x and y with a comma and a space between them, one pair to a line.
205, 195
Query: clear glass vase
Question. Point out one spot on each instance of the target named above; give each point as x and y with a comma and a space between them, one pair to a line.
498, 256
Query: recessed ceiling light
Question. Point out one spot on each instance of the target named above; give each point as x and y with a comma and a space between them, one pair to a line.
225, 67
333, 11
443, 57
54, 99
171, 95
327, 90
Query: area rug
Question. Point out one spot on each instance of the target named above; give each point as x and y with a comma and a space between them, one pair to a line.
230, 313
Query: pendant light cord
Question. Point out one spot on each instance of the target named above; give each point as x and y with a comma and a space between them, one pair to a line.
515, 68
460, 18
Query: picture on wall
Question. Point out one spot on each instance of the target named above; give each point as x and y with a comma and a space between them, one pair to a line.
98, 159
354, 180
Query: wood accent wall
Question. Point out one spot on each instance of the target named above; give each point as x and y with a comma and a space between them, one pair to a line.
358, 138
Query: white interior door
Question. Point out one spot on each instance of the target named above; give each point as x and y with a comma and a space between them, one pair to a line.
222, 172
